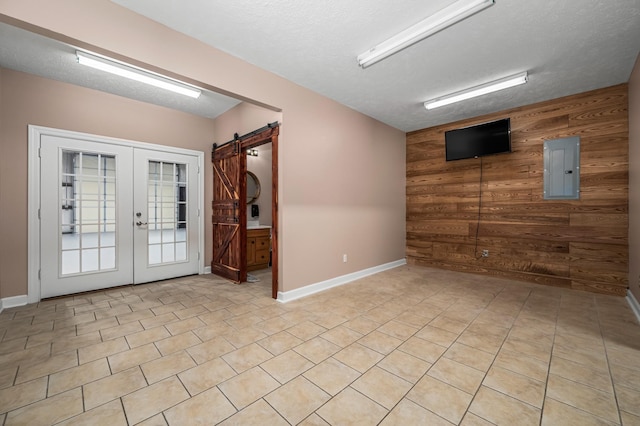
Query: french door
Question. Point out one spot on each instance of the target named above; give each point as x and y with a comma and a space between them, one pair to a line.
115, 214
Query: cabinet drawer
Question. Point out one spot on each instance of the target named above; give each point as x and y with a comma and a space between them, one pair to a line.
262, 256
262, 243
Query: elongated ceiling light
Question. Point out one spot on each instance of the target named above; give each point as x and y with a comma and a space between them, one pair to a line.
446, 17
136, 74
494, 86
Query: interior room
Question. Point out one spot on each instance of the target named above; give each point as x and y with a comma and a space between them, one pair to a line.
440, 226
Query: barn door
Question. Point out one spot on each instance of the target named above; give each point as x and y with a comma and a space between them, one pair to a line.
229, 215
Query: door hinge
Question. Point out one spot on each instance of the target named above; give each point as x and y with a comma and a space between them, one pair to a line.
39, 152
38, 214
198, 212
198, 255
39, 273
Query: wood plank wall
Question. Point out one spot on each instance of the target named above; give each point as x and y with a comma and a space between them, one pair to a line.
579, 244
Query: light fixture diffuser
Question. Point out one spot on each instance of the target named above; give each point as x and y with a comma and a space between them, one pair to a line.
442, 19
137, 74
494, 86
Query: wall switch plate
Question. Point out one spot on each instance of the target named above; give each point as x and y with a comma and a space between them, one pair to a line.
344, 258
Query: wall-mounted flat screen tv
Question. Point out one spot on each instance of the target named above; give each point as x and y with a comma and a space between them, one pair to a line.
477, 141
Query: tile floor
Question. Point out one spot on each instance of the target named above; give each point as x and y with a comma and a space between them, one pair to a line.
407, 346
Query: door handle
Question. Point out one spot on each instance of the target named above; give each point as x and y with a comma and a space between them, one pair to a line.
139, 223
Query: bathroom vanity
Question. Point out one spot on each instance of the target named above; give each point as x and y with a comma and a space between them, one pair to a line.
258, 247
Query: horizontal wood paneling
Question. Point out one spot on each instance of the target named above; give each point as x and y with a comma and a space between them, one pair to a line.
580, 244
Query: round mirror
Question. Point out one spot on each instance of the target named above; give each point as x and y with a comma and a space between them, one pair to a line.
253, 187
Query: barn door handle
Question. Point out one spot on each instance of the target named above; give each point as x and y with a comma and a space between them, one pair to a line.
568, 172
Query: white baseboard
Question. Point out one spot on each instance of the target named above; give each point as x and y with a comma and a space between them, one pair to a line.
207, 270
288, 296
11, 302
635, 306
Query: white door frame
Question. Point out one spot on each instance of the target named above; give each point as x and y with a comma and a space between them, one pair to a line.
33, 208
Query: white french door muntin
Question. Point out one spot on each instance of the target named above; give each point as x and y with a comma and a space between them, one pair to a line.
84, 193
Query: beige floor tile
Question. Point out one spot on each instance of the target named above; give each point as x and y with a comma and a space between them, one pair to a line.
522, 364
214, 330
471, 419
210, 349
358, 357
286, 366
398, 329
7, 376
444, 400
596, 402
243, 321
306, 330
313, 420
557, 413
168, 365
456, 374
112, 387
52, 365
317, 349
78, 376
247, 357
628, 400
351, 407
177, 343
217, 316
380, 342
206, 376
297, 399
470, 356
280, 342
332, 376
75, 342
240, 338
437, 335
191, 312
120, 330
27, 330
159, 320
157, 420
184, 326
133, 358
110, 414
147, 336
500, 409
582, 374
13, 345
341, 336
516, 386
422, 349
97, 325
153, 399
258, 413
362, 325
485, 342
48, 411
590, 358
102, 350
409, 413
135, 316
405, 366
629, 419
533, 349
383, 387
23, 394
206, 408
622, 375
248, 387
48, 337
448, 324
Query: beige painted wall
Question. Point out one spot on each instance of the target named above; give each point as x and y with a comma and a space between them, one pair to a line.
28, 99
341, 174
634, 180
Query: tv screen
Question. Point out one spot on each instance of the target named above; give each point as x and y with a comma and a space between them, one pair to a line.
477, 141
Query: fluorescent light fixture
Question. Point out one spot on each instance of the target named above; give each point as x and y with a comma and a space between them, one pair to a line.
494, 86
442, 19
137, 74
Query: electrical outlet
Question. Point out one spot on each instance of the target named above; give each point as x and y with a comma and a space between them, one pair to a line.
485, 253
344, 258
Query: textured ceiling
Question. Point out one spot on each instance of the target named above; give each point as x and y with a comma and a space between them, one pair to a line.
567, 47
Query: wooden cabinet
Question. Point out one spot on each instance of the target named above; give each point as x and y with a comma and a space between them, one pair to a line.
258, 248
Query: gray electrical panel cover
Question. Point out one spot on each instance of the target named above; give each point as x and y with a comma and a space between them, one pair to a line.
562, 169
